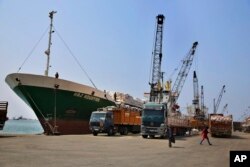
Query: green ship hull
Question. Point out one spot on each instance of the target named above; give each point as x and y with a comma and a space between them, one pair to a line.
62, 106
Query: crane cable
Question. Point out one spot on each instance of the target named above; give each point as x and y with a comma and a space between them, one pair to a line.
77, 61
152, 58
196, 62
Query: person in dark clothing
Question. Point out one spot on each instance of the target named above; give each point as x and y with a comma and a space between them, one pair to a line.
171, 138
56, 75
115, 96
204, 135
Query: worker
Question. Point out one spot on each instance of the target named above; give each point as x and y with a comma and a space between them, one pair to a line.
171, 138
56, 75
204, 136
115, 96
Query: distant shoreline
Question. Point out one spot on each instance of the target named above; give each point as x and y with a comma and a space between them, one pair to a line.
22, 118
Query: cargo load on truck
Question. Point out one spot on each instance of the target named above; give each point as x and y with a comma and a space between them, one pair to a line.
111, 120
237, 126
198, 123
126, 99
180, 124
220, 125
246, 125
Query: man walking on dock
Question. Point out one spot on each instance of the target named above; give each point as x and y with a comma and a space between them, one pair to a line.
171, 138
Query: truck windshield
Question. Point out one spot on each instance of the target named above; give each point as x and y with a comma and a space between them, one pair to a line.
97, 116
150, 115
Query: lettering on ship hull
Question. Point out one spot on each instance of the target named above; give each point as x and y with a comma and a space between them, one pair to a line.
70, 113
88, 97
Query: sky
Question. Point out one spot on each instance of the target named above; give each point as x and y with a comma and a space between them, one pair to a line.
113, 41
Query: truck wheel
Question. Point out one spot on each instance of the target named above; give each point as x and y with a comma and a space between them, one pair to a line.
162, 136
121, 131
152, 136
125, 130
110, 132
95, 133
144, 136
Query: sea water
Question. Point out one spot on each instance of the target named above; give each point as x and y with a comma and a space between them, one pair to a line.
22, 127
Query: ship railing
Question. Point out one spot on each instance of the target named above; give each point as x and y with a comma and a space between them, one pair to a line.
3, 105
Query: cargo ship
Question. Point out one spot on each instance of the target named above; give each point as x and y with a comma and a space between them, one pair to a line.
61, 106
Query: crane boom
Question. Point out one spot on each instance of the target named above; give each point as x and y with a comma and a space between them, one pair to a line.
202, 102
224, 109
196, 101
182, 75
216, 106
157, 57
196, 91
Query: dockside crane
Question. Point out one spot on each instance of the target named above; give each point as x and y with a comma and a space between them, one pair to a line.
156, 118
216, 105
202, 103
196, 101
182, 75
157, 75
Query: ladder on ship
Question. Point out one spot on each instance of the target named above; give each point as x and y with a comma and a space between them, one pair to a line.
3, 113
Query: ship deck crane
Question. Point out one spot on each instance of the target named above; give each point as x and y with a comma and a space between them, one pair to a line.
202, 113
182, 75
224, 108
155, 88
198, 107
216, 105
196, 101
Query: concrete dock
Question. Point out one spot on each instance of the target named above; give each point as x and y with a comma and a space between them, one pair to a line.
122, 151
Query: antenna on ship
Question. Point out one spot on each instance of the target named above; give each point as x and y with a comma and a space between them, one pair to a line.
47, 52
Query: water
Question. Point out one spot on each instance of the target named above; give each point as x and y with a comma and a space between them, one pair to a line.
22, 127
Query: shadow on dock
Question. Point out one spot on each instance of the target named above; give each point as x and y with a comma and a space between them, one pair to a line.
232, 137
7, 136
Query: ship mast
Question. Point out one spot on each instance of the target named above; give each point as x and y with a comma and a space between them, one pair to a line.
47, 52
